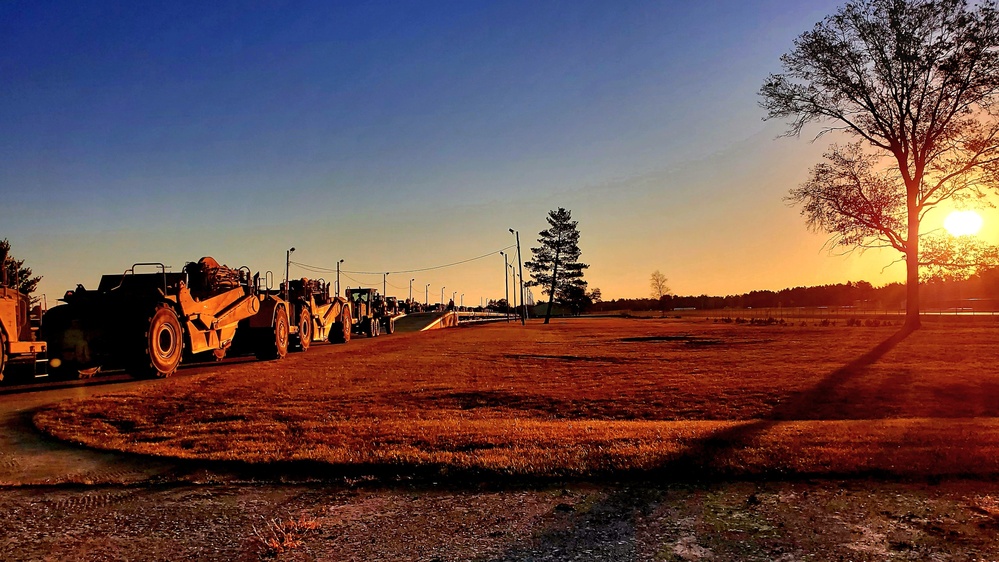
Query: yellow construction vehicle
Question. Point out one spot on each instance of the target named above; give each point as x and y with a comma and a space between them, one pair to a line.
316, 315
17, 335
147, 322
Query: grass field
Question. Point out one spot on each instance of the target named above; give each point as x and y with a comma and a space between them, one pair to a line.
585, 397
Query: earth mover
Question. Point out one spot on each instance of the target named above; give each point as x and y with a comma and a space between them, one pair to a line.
17, 335
148, 322
370, 313
317, 316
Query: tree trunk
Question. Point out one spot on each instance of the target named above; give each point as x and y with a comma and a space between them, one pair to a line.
912, 321
551, 293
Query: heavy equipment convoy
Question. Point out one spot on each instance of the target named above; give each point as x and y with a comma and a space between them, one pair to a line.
17, 335
316, 315
147, 322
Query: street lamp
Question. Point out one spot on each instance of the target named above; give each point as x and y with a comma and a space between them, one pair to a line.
287, 263
506, 283
462, 300
426, 295
411, 290
442, 295
452, 296
338, 277
520, 265
514, 275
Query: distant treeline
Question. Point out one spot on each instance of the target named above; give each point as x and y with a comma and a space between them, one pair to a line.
980, 292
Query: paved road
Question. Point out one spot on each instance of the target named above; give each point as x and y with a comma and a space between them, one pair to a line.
29, 458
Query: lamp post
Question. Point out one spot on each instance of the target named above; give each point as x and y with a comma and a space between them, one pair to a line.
462, 300
453, 295
506, 283
426, 295
520, 265
338, 277
411, 289
287, 264
442, 295
514, 275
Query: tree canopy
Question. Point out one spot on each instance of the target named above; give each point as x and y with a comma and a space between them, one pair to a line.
14, 270
555, 266
915, 83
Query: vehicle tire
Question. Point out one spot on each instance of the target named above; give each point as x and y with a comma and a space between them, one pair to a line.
274, 342
304, 328
371, 327
390, 326
163, 345
340, 330
3, 353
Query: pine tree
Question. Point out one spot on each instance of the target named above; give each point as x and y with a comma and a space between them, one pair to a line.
14, 270
555, 266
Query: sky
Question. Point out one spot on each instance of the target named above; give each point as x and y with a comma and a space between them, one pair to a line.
402, 137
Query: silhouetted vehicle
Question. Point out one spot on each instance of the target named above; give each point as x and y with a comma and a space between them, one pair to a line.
148, 322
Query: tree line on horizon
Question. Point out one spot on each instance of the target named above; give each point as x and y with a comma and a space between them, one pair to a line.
948, 294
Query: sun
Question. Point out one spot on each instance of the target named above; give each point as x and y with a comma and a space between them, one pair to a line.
963, 223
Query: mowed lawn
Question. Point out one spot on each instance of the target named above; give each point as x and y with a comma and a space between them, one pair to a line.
585, 397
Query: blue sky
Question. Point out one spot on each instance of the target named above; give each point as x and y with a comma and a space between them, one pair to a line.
404, 135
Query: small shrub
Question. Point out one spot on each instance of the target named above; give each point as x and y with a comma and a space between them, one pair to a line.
278, 537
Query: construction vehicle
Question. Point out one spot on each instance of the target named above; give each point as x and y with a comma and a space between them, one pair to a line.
370, 313
316, 315
148, 322
17, 335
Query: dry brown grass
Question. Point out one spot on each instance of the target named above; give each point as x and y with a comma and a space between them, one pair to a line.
585, 397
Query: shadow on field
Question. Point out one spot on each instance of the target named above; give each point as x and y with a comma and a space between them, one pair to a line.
610, 525
804, 406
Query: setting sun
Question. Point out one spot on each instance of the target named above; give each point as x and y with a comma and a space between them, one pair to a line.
962, 223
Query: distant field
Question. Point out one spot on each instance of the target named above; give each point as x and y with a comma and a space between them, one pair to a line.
586, 397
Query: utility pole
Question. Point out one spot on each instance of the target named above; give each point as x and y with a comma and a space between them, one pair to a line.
384, 283
520, 264
426, 295
506, 283
411, 290
442, 295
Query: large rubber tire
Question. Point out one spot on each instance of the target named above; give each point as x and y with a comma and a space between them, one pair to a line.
371, 327
304, 328
340, 330
390, 326
163, 345
3, 353
274, 344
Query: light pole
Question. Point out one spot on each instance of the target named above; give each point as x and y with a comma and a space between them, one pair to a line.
426, 295
411, 290
462, 300
514, 275
287, 264
442, 296
338, 277
453, 295
506, 283
520, 265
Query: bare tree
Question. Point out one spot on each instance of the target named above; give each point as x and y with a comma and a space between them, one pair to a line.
659, 288
916, 83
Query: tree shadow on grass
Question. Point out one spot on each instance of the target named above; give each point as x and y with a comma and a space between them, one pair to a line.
609, 526
804, 406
